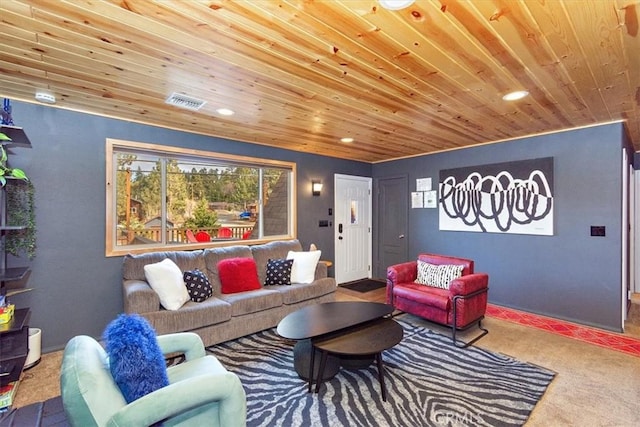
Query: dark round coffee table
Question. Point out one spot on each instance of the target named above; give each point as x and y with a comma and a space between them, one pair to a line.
315, 321
370, 338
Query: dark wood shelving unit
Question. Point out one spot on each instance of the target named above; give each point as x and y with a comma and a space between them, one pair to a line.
20, 320
13, 273
14, 335
12, 227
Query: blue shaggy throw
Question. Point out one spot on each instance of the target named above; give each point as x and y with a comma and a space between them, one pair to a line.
136, 361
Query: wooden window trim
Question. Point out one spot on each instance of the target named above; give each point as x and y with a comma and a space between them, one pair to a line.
110, 230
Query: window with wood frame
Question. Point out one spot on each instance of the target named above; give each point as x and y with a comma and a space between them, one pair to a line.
169, 198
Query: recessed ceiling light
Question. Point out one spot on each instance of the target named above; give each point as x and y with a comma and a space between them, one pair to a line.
395, 4
346, 140
514, 96
225, 112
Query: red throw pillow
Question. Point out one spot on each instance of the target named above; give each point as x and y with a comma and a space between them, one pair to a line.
238, 275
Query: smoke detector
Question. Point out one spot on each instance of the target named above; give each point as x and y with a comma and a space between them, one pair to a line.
46, 97
183, 101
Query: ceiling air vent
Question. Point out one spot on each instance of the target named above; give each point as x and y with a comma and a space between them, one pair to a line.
184, 101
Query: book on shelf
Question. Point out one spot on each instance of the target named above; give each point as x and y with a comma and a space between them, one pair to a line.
6, 313
7, 394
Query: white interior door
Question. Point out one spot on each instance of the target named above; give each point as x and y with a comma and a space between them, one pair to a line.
352, 228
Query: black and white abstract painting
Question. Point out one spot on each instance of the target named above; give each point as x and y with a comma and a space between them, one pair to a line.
511, 197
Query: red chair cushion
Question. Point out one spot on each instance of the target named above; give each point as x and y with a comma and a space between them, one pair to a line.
423, 294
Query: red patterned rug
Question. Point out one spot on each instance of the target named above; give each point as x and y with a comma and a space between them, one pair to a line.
610, 340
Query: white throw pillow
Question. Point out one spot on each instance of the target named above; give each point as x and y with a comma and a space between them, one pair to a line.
304, 266
438, 276
165, 278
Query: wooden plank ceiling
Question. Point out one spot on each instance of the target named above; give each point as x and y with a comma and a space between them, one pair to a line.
301, 74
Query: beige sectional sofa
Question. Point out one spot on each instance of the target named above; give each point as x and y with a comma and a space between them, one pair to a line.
223, 317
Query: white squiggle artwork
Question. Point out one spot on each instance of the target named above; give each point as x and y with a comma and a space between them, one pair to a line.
498, 202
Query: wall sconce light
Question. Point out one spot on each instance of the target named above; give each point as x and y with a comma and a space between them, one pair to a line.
316, 188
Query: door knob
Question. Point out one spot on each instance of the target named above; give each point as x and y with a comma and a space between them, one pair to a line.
401, 236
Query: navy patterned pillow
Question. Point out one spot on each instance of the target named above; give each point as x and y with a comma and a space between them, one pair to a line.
278, 272
198, 285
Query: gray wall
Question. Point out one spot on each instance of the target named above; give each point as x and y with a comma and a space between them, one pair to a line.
77, 290
569, 275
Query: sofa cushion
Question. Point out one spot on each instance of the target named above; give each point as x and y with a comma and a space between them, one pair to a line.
191, 316
252, 302
238, 275
139, 297
304, 266
272, 250
165, 278
197, 285
213, 256
439, 276
299, 292
278, 272
133, 264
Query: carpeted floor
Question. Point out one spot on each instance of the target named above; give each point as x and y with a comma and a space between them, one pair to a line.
429, 382
364, 285
596, 384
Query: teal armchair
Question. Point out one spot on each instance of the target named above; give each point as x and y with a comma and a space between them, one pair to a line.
201, 392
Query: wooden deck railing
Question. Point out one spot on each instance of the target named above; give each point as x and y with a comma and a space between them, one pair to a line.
178, 235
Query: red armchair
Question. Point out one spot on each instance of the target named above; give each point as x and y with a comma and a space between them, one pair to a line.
191, 238
225, 233
203, 236
460, 306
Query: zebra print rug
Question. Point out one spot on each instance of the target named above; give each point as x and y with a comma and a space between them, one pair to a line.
430, 382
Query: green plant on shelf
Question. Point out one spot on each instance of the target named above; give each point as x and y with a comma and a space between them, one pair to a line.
20, 207
21, 212
5, 170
